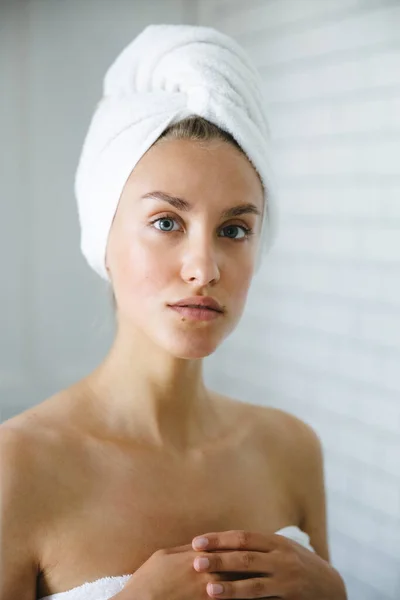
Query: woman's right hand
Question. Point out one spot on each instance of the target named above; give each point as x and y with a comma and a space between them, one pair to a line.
169, 574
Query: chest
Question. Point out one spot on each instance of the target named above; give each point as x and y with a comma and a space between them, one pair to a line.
109, 513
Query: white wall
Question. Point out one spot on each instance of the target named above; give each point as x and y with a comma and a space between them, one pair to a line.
322, 327
321, 334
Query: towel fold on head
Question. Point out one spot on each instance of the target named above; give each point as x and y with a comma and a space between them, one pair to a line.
167, 73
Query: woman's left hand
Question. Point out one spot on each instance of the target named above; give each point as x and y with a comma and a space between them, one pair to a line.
282, 568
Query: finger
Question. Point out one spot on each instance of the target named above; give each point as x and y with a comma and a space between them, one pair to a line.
242, 561
239, 539
257, 587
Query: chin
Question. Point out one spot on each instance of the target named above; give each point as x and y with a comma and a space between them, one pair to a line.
192, 355
190, 344
191, 349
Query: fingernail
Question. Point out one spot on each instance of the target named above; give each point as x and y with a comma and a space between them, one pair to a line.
202, 563
216, 588
200, 542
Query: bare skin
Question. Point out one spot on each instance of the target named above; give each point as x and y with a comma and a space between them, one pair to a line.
140, 454
101, 506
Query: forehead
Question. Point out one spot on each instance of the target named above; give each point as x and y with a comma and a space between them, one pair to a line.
213, 168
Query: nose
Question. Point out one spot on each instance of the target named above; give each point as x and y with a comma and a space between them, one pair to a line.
200, 263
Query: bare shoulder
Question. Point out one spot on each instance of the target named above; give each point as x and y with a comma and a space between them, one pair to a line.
285, 420
280, 424
31, 443
300, 444
302, 435
49, 425
289, 435
16, 450
34, 421
20, 462
290, 431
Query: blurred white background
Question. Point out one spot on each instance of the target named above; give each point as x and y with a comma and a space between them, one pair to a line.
320, 336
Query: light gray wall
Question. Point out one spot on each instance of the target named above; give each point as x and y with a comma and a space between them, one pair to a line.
321, 333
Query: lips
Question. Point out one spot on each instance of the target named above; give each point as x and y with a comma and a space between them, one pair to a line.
200, 302
196, 306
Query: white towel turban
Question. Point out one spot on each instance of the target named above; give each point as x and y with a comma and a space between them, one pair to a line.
165, 74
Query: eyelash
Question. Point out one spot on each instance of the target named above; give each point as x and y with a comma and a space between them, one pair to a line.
248, 230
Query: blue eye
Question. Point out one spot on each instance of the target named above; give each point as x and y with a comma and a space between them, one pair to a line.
230, 227
164, 220
247, 230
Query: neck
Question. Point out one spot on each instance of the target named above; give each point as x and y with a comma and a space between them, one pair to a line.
142, 393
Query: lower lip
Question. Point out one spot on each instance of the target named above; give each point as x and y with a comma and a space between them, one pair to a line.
197, 314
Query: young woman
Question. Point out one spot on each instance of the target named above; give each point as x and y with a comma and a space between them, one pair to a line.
105, 485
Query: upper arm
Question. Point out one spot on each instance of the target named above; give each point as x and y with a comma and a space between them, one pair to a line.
18, 561
302, 458
307, 456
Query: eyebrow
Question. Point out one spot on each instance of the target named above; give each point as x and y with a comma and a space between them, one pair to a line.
184, 205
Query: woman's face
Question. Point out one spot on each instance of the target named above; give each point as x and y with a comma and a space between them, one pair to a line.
158, 254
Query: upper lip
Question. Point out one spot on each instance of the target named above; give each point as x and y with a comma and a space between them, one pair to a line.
200, 301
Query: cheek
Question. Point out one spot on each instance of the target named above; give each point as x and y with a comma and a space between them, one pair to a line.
241, 277
141, 273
